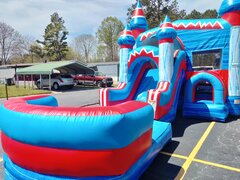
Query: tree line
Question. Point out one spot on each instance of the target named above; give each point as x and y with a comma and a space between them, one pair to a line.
102, 46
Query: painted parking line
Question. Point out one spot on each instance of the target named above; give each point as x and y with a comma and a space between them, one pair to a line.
203, 162
174, 155
1, 159
217, 165
194, 152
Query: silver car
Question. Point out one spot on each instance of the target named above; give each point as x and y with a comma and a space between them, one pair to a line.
57, 81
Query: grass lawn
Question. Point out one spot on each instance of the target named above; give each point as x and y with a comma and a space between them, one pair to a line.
13, 91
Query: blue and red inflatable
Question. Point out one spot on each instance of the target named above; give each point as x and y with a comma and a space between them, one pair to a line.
119, 139
42, 140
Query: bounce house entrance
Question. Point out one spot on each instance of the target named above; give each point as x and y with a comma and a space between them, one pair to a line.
203, 91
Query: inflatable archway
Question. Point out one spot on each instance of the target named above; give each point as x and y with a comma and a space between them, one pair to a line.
216, 109
219, 90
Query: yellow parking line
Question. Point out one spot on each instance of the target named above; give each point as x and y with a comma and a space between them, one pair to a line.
194, 152
203, 162
174, 155
217, 165
1, 159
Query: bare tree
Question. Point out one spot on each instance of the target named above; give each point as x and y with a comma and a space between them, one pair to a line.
23, 49
10, 42
85, 44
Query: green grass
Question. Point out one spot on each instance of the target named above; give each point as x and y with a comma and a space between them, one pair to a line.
13, 91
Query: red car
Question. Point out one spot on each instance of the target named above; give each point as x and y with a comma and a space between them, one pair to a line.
98, 79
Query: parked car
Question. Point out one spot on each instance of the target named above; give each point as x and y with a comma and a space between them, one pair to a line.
98, 79
57, 81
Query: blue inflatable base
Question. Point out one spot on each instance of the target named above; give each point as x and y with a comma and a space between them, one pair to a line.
205, 110
162, 133
233, 103
170, 116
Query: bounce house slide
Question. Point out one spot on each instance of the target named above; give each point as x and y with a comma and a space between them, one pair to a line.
44, 141
165, 98
149, 81
141, 69
144, 85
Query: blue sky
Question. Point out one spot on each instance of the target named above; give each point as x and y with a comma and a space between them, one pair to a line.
30, 17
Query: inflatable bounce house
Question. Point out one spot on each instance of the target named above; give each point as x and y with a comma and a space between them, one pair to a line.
121, 137
156, 66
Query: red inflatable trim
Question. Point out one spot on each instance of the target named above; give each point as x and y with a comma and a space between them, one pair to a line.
233, 18
138, 12
143, 53
27, 98
167, 25
20, 105
181, 43
136, 32
126, 46
166, 40
126, 33
163, 110
76, 163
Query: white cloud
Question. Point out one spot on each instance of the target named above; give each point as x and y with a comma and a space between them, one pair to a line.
30, 17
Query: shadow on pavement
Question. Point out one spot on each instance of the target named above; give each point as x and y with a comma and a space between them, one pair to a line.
161, 167
232, 118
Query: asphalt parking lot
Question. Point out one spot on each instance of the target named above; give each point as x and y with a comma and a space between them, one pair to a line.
198, 150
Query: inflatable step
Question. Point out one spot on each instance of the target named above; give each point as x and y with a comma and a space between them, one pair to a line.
206, 110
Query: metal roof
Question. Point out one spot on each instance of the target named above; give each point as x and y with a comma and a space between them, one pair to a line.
103, 63
17, 65
70, 67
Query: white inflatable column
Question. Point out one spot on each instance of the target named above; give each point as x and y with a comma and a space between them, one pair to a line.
126, 42
234, 63
166, 36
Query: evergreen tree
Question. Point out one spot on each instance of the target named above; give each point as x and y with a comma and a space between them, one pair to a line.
210, 13
174, 12
194, 15
54, 43
37, 50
